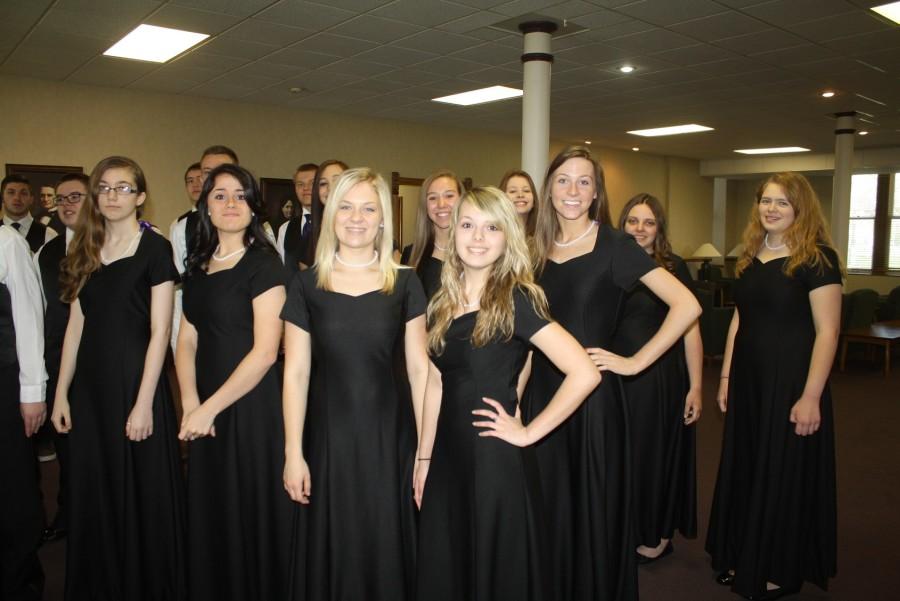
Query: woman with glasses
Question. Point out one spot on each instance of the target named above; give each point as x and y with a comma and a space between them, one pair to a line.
231, 394
439, 194
126, 491
349, 438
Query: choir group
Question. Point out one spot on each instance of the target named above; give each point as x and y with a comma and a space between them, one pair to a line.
503, 410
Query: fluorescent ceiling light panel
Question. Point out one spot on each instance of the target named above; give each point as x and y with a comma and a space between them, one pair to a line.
780, 150
154, 44
670, 131
481, 96
891, 11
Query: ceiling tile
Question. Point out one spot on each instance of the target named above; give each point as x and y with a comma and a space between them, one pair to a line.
411, 77
255, 30
327, 43
762, 41
159, 82
105, 71
450, 66
795, 55
375, 29
238, 8
592, 54
306, 15
475, 21
870, 42
189, 19
301, 57
716, 27
238, 48
695, 55
837, 26
438, 42
655, 40
427, 14
208, 60
396, 57
359, 68
778, 12
490, 54
666, 12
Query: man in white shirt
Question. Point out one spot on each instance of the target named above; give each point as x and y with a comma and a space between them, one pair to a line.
17, 199
22, 411
294, 233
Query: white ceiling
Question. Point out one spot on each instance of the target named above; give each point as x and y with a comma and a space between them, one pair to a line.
750, 69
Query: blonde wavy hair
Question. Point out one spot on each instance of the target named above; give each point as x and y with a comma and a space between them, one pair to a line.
805, 235
512, 270
328, 241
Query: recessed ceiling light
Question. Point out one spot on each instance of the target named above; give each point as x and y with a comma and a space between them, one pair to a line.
626, 68
635, 148
864, 133
783, 149
891, 11
481, 96
154, 44
827, 94
671, 130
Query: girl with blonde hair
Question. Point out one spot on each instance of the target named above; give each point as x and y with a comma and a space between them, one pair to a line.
479, 494
346, 431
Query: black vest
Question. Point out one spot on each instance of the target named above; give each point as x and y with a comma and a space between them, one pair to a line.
191, 231
56, 316
8, 355
295, 245
37, 233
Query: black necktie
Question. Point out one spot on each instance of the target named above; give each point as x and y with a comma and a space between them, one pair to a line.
16, 225
307, 225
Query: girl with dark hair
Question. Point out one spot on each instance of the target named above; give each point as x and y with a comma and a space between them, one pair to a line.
438, 195
228, 342
479, 494
664, 399
519, 187
326, 177
125, 489
586, 267
773, 524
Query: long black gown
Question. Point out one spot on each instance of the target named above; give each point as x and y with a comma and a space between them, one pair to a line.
663, 448
585, 464
481, 529
774, 514
240, 518
359, 443
429, 271
126, 534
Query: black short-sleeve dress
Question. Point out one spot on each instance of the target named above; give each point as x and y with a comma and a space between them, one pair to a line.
481, 533
359, 442
126, 532
585, 464
240, 517
774, 514
663, 448
428, 270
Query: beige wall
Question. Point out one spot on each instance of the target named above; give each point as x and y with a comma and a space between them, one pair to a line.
65, 124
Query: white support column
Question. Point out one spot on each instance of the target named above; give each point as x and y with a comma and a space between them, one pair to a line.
537, 61
720, 198
844, 134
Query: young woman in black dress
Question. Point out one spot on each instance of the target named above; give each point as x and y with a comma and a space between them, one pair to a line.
239, 519
479, 491
349, 440
519, 187
664, 400
125, 489
585, 268
773, 523
439, 193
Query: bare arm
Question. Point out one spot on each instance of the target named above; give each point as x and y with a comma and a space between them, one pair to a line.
416, 365
61, 418
825, 302
581, 377
693, 355
297, 363
722, 396
139, 425
248, 373
185, 365
430, 412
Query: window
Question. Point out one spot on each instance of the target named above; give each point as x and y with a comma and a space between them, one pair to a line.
874, 232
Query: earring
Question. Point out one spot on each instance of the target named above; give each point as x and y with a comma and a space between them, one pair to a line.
381, 226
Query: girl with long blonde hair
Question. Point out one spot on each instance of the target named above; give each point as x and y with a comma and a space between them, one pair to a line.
478, 494
346, 430
125, 482
773, 522
439, 193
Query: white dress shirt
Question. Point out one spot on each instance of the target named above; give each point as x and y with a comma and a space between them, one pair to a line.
25, 225
18, 274
282, 231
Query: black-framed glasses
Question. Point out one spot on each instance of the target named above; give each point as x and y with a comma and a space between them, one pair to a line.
72, 198
125, 189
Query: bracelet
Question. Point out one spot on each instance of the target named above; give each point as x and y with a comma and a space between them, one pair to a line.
424, 459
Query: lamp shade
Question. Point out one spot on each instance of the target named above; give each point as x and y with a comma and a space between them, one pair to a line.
736, 252
706, 251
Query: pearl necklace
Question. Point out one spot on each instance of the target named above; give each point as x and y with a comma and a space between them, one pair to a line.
127, 249
443, 249
359, 265
470, 305
779, 247
571, 242
229, 255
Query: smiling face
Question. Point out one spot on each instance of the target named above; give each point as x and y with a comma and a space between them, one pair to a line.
479, 240
327, 179
113, 204
641, 223
17, 199
776, 213
228, 210
193, 184
72, 194
358, 217
519, 191
440, 198
573, 189
303, 182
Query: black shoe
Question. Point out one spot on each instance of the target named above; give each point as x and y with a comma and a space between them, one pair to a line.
667, 550
52, 533
775, 593
725, 578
